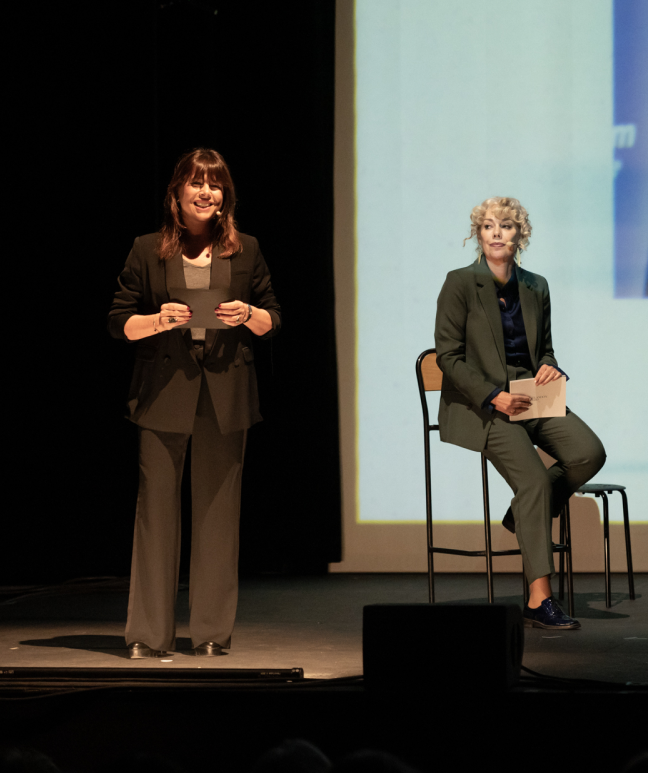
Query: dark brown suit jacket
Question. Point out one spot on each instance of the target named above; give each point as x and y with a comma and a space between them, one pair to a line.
166, 380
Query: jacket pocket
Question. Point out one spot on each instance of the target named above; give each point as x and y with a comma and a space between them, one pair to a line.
453, 397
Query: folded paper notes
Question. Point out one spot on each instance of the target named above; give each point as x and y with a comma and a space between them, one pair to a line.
547, 400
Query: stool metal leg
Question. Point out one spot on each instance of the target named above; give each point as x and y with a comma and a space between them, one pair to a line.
431, 576
606, 550
561, 559
428, 516
570, 567
487, 530
626, 526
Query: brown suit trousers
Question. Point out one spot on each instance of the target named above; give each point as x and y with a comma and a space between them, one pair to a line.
216, 469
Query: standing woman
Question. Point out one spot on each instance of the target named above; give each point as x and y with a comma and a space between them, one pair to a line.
191, 383
493, 326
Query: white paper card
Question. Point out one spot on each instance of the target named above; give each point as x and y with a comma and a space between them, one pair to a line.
546, 401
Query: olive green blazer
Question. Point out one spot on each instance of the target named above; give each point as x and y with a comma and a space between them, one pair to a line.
470, 347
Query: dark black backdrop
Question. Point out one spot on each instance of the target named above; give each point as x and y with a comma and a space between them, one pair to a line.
106, 97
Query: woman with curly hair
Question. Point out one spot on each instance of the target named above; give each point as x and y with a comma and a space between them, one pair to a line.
191, 383
493, 326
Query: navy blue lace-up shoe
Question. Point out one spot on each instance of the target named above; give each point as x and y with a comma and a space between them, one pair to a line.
549, 615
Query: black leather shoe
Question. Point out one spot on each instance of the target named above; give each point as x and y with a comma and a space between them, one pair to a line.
508, 522
549, 615
140, 650
208, 649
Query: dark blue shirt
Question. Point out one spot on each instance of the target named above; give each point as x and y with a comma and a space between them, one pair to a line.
516, 346
515, 340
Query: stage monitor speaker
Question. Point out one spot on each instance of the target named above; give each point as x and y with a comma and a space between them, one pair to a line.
426, 647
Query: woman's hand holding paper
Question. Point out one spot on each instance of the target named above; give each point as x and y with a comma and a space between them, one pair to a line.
546, 374
510, 404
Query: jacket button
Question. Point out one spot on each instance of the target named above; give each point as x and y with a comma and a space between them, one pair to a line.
237, 362
166, 358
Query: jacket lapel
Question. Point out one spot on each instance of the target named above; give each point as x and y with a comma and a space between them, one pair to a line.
174, 273
488, 299
529, 313
221, 271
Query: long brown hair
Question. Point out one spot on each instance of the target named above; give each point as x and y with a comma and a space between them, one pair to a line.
198, 163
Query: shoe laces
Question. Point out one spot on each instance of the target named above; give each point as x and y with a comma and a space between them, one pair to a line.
554, 607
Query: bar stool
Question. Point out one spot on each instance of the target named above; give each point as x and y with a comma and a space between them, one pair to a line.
429, 377
602, 490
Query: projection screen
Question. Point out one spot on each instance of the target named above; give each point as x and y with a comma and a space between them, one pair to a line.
439, 106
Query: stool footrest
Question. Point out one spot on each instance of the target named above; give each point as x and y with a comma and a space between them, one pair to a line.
557, 548
478, 553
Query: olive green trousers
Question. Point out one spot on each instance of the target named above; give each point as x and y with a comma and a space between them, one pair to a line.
541, 493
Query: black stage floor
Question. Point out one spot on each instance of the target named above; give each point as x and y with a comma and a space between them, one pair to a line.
315, 623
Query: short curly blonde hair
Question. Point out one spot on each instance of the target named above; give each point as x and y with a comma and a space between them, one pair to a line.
504, 208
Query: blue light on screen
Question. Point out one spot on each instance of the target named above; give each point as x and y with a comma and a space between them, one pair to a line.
631, 148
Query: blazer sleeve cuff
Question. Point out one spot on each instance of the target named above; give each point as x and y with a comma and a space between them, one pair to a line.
276, 324
487, 405
117, 323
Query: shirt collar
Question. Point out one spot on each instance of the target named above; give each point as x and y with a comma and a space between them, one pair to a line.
510, 289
